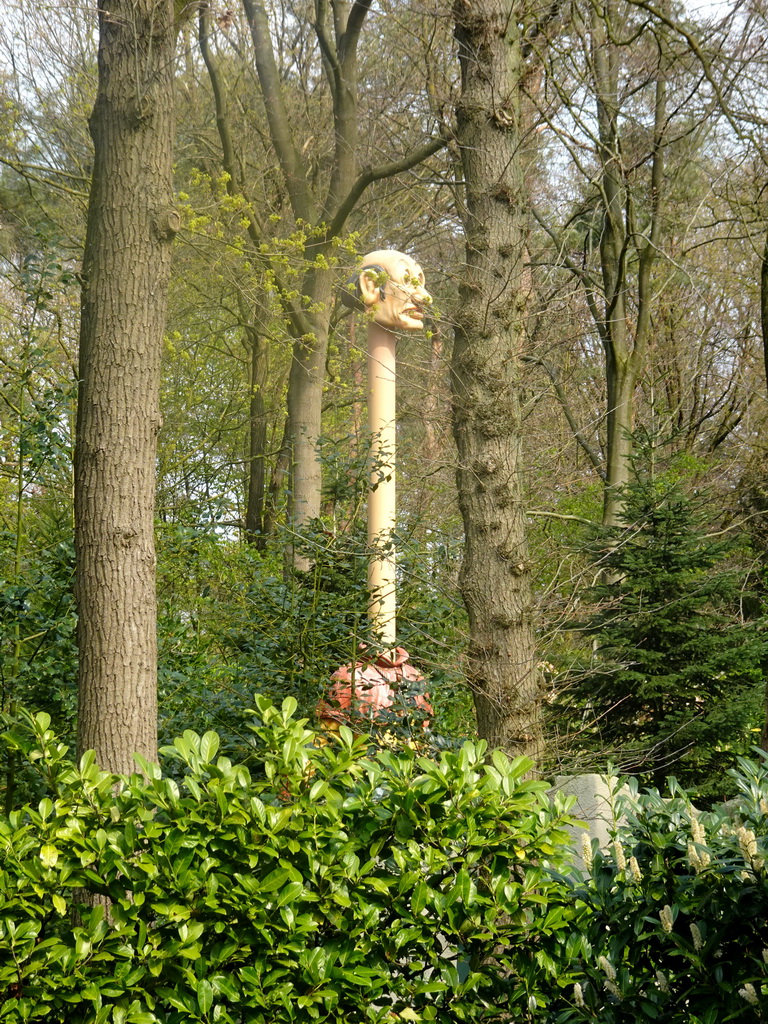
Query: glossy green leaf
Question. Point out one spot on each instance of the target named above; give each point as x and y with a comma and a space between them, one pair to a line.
49, 855
204, 995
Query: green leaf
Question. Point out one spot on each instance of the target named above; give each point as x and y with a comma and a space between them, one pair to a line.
204, 995
460, 890
225, 985
209, 746
419, 897
381, 885
289, 893
42, 721
274, 879
403, 827
49, 855
318, 789
289, 707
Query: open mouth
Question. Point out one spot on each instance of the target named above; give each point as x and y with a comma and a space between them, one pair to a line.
413, 314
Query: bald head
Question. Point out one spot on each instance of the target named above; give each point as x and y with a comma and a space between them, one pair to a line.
391, 286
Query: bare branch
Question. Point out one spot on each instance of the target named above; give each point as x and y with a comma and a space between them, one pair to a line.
277, 115
371, 174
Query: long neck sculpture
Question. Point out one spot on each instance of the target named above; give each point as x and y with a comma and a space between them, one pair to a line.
389, 286
382, 496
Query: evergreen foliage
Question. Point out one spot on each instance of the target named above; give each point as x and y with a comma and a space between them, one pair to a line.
337, 887
38, 658
671, 919
231, 624
675, 673
346, 886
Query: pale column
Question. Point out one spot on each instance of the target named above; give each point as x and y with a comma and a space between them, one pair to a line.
390, 287
382, 498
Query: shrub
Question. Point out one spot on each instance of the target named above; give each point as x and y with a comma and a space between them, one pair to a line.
671, 923
340, 886
674, 675
231, 623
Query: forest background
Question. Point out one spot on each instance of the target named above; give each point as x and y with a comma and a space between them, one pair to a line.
639, 369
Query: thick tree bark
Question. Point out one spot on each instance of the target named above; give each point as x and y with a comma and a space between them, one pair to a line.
495, 577
126, 267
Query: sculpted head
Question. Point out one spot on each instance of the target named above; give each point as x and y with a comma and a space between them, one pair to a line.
390, 285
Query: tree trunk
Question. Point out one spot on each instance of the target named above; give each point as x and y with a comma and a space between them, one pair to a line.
619, 371
305, 407
625, 345
257, 444
764, 335
495, 577
280, 472
126, 267
430, 409
621, 378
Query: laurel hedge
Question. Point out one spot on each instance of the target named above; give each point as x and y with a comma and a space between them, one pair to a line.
338, 885
347, 884
672, 919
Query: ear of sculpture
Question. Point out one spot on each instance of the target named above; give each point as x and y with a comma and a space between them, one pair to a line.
371, 282
365, 288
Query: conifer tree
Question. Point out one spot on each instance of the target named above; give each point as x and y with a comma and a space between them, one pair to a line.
673, 685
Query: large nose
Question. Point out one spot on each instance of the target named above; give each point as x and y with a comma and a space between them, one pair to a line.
421, 295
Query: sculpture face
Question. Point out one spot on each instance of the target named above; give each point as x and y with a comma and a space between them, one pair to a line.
392, 288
